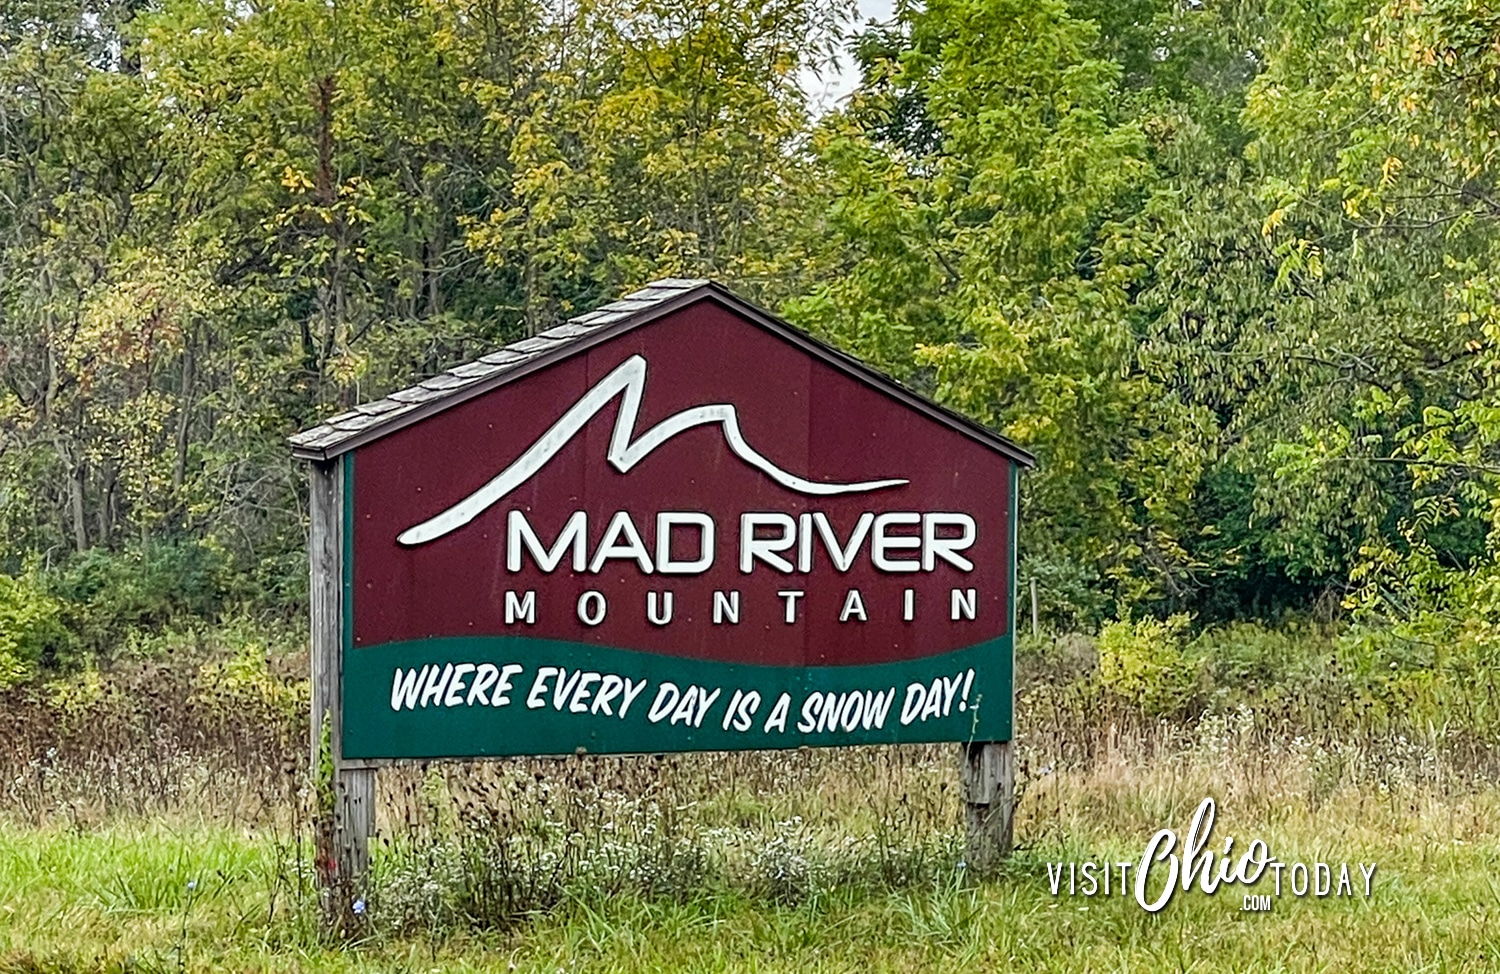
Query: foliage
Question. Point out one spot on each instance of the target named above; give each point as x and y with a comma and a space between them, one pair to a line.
31, 628
218, 223
1225, 266
244, 680
106, 595
1145, 662
188, 846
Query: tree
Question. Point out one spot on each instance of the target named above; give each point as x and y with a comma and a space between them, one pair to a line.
985, 182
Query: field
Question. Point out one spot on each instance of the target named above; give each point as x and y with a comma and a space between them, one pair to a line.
186, 847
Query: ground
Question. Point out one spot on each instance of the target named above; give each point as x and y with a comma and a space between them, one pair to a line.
173, 892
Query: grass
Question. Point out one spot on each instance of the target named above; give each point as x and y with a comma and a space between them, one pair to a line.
200, 895
146, 830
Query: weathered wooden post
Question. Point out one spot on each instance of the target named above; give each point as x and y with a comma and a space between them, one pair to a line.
989, 780
345, 796
988, 768
675, 523
1036, 623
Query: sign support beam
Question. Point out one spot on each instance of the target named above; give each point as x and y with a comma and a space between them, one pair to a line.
345, 796
988, 776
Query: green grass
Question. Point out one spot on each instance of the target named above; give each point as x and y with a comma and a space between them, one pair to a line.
150, 896
176, 850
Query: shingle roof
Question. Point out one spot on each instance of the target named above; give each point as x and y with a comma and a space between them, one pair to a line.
372, 420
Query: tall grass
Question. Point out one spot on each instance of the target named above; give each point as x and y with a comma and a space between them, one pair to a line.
122, 788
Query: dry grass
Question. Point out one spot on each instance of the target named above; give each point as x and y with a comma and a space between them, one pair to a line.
147, 824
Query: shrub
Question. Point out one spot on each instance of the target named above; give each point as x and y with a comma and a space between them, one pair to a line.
1146, 662
1249, 657
110, 593
31, 629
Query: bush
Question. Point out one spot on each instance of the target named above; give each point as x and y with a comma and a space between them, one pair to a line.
1070, 597
110, 593
1246, 657
31, 629
1146, 662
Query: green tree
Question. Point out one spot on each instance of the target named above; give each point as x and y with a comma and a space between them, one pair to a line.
986, 182
666, 139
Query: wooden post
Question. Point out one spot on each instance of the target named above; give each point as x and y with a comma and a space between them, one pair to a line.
989, 778
345, 795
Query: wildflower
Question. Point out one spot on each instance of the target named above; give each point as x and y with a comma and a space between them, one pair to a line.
192, 885
359, 907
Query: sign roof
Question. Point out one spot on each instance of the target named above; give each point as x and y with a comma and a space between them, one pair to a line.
373, 420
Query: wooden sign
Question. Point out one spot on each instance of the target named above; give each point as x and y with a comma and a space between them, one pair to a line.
676, 523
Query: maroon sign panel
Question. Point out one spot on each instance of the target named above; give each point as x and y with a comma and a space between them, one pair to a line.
700, 499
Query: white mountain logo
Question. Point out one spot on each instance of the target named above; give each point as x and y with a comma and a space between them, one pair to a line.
628, 381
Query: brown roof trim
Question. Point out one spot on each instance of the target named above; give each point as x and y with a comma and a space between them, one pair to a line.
372, 421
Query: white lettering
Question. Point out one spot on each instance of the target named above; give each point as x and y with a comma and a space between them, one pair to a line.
777, 720
537, 697
433, 692
810, 708
667, 697
665, 522
791, 597
405, 691
659, 614
935, 547
705, 700
487, 675
591, 607
632, 690
501, 698
564, 687
727, 607
854, 607
851, 711
884, 542
1158, 850
804, 542
740, 714
581, 693
753, 547
456, 687
608, 690
523, 608
842, 556
916, 696
623, 541
518, 533
686, 707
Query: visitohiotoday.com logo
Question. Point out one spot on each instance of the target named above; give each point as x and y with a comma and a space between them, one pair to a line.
1170, 865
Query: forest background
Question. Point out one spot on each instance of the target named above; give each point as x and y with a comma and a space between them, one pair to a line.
1226, 267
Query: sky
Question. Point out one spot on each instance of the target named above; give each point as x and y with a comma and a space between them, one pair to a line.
839, 80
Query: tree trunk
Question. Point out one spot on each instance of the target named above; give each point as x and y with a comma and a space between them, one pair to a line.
184, 410
76, 502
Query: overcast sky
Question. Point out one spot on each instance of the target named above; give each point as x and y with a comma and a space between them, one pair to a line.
824, 93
